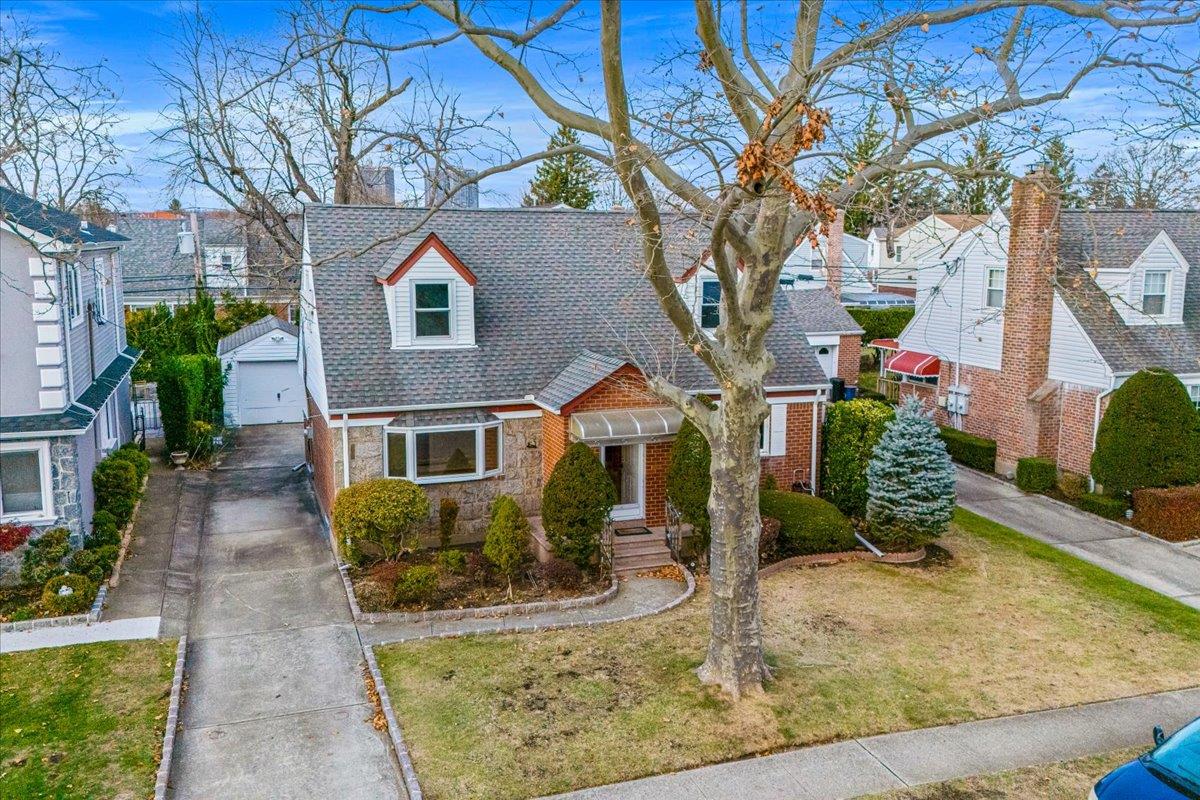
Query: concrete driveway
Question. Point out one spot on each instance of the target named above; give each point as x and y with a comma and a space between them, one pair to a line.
276, 706
1167, 569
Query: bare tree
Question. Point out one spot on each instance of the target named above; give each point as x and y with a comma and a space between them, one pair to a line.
733, 128
56, 125
1147, 175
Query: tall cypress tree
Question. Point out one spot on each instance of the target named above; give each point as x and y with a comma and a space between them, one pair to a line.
568, 178
869, 203
1060, 160
981, 194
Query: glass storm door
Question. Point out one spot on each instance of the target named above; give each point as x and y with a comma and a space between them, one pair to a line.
624, 466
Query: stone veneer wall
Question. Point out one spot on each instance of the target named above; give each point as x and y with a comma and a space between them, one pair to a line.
521, 478
64, 478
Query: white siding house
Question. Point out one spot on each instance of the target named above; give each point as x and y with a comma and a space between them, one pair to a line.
264, 384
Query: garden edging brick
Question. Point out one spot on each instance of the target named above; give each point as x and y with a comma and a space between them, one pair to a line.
168, 745
407, 771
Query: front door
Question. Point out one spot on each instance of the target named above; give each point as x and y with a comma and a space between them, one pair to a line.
624, 464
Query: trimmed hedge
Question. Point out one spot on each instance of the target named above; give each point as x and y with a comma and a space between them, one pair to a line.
1036, 475
969, 450
417, 584
506, 545
1172, 514
576, 503
83, 592
116, 485
1149, 436
190, 390
1103, 506
43, 558
689, 481
378, 518
852, 429
807, 524
882, 323
131, 453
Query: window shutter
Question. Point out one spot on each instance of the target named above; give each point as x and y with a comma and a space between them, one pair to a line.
778, 443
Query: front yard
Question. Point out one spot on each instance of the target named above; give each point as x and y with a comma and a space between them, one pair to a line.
84, 721
1007, 625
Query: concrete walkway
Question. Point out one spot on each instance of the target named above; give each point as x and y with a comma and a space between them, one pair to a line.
276, 706
1165, 568
929, 755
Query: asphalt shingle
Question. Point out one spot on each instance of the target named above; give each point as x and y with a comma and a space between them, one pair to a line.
60, 225
254, 330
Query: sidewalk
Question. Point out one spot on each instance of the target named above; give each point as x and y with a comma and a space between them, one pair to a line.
1165, 568
929, 755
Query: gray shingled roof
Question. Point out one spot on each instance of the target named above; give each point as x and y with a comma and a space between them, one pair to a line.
818, 311
585, 371
254, 330
1114, 239
52, 222
551, 285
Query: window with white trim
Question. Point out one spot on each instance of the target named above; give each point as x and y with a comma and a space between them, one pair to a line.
1154, 293
994, 295
1194, 392
111, 432
899, 253
25, 489
445, 453
710, 303
764, 438
433, 304
100, 282
73, 289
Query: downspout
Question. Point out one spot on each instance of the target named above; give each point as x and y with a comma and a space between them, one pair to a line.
812, 470
962, 301
1096, 427
345, 450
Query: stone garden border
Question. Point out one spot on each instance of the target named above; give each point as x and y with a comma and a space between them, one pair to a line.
168, 744
506, 610
407, 771
829, 559
93, 614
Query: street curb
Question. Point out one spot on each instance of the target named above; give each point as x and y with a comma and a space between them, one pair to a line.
1126, 529
168, 746
407, 771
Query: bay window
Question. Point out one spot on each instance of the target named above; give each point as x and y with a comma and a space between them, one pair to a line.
25, 489
443, 454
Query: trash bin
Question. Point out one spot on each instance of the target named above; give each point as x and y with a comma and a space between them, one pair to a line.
851, 392
837, 391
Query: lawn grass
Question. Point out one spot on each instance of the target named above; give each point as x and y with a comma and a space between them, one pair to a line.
1062, 780
84, 721
1008, 625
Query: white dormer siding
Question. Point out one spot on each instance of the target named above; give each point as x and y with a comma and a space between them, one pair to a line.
225, 267
1160, 267
310, 334
1073, 358
431, 269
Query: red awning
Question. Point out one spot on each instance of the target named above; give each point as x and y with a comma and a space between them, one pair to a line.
910, 362
885, 344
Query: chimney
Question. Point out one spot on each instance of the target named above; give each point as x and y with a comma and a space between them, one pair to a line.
833, 254
1028, 305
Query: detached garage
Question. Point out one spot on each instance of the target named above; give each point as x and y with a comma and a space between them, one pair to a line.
261, 362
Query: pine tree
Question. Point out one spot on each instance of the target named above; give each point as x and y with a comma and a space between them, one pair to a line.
569, 178
1060, 160
870, 202
910, 496
981, 193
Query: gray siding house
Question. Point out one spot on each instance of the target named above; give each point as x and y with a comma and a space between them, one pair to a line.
64, 361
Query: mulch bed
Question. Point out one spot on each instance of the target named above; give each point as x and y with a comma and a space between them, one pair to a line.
16, 597
476, 588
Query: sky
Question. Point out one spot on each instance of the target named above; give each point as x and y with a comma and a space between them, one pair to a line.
134, 38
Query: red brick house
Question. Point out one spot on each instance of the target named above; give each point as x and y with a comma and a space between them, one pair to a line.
468, 355
1026, 324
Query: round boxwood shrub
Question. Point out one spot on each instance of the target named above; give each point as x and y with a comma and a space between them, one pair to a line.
130, 452
852, 429
689, 481
43, 558
417, 584
452, 561
1149, 436
807, 524
79, 600
576, 503
104, 530
507, 543
1036, 474
115, 483
378, 519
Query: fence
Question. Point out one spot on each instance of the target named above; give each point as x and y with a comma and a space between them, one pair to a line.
146, 418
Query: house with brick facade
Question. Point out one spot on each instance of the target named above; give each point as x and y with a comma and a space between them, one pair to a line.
896, 256
64, 363
467, 355
1026, 324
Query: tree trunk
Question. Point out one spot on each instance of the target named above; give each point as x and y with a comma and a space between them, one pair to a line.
735, 656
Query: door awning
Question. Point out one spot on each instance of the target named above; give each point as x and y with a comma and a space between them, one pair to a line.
885, 344
626, 426
910, 362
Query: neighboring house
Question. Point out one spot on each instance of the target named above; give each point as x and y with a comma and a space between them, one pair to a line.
64, 397
1028, 323
468, 355
161, 262
807, 268
261, 365
896, 257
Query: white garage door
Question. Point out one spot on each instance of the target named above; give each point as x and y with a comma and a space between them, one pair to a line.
269, 391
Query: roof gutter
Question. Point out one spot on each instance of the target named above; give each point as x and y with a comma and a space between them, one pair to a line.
1096, 427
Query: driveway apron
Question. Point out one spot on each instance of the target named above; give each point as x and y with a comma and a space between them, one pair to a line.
276, 706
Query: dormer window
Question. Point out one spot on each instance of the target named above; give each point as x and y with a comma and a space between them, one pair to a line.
710, 304
432, 309
1154, 293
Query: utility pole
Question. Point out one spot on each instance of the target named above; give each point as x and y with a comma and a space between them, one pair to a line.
197, 256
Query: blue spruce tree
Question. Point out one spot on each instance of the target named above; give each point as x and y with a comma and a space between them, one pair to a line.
910, 494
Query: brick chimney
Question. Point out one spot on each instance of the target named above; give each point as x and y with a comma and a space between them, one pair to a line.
1028, 303
833, 254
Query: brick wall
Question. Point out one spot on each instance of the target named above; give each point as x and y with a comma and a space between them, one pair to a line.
849, 359
833, 256
796, 463
1077, 417
554, 441
321, 458
1032, 254
907, 291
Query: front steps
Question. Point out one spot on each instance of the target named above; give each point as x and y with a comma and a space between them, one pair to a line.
640, 552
